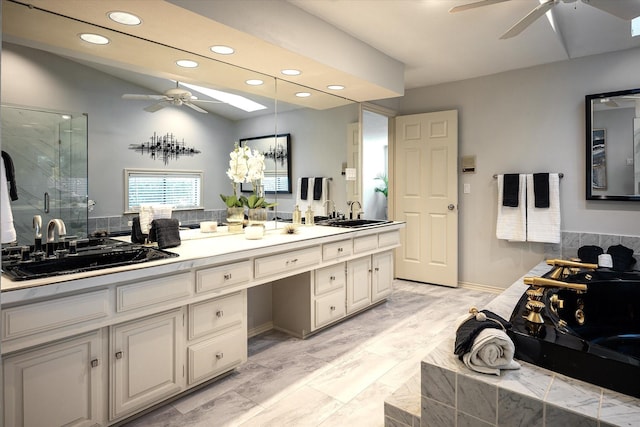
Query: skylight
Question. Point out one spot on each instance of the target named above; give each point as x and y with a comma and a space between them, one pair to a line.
237, 101
635, 27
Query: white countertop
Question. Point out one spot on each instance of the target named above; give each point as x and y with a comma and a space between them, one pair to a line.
197, 249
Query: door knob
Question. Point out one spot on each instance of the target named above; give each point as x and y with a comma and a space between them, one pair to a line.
451, 206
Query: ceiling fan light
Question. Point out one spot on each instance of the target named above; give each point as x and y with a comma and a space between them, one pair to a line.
124, 18
187, 63
222, 50
94, 38
291, 72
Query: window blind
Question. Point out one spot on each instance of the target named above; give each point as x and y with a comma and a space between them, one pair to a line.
179, 189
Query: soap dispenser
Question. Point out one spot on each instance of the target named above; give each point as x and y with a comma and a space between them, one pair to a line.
309, 216
297, 216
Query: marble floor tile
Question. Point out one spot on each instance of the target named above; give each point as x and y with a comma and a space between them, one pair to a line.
338, 377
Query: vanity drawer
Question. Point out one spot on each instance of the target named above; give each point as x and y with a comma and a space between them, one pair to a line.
329, 278
365, 243
335, 250
216, 278
284, 262
389, 238
57, 313
213, 315
152, 292
216, 355
329, 308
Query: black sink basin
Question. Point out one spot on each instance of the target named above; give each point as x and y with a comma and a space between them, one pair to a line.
88, 260
355, 223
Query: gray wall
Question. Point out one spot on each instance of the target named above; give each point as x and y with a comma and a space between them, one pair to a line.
529, 120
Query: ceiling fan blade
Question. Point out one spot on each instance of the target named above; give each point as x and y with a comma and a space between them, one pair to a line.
522, 24
154, 107
195, 107
142, 97
468, 6
624, 9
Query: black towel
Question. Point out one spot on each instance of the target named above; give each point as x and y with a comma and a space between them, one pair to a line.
304, 188
137, 236
622, 257
541, 190
10, 172
166, 232
510, 189
469, 330
317, 188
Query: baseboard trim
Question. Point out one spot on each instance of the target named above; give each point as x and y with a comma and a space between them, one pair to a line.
482, 288
259, 329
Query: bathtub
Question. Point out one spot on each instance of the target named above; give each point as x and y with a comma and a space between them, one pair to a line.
592, 336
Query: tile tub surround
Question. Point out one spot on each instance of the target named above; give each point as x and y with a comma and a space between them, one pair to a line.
453, 395
572, 241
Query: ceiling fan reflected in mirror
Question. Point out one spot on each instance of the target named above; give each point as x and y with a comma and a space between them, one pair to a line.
176, 96
623, 9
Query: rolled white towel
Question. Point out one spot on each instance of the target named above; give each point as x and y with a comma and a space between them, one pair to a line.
492, 351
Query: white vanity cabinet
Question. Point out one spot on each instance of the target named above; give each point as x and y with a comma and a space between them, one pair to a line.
147, 361
217, 336
57, 384
382, 275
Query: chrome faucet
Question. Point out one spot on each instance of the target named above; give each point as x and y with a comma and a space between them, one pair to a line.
52, 226
351, 210
333, 212
37, 233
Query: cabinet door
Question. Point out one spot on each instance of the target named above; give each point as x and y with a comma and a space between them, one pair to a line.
382, 276
55, 385
147, 360
358, 284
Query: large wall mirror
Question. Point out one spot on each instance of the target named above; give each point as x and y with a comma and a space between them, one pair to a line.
613, 145
45, 66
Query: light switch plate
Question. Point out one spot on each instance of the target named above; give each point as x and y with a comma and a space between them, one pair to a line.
467, 188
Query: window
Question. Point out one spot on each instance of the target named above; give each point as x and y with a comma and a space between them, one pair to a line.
179, 189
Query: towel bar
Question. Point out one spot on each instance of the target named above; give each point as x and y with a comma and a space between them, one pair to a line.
561, 175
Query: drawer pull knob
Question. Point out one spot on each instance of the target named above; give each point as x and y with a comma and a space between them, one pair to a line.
340, 250
219, 355
227, 276
95, 363
332, 278
219, 313
119, 355
332, 308
377, 269
292, 261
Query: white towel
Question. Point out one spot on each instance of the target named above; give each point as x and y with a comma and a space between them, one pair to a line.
543, 224
8, 229
512, 222
491, 351
319, 207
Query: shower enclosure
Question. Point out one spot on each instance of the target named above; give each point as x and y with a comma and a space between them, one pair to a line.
49, 153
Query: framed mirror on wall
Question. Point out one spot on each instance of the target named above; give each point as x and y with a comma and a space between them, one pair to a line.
613, 145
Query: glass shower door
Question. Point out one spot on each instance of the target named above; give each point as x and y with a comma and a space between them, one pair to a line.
49, 153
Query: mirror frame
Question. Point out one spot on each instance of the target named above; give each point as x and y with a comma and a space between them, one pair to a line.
588, 146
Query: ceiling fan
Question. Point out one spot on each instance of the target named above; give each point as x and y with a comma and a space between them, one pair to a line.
624, 9
175, 96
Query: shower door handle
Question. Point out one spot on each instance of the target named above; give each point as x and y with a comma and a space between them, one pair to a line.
46, 202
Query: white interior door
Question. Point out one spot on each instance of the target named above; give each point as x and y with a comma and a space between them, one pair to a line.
354, 160
426, 197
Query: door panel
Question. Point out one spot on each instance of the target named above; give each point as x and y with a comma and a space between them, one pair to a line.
426, 151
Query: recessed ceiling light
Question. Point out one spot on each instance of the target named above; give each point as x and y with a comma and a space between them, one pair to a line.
124, 18
303, 94
291, 72
254, 82
335, 87
187, 63
222, 50
94, 38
